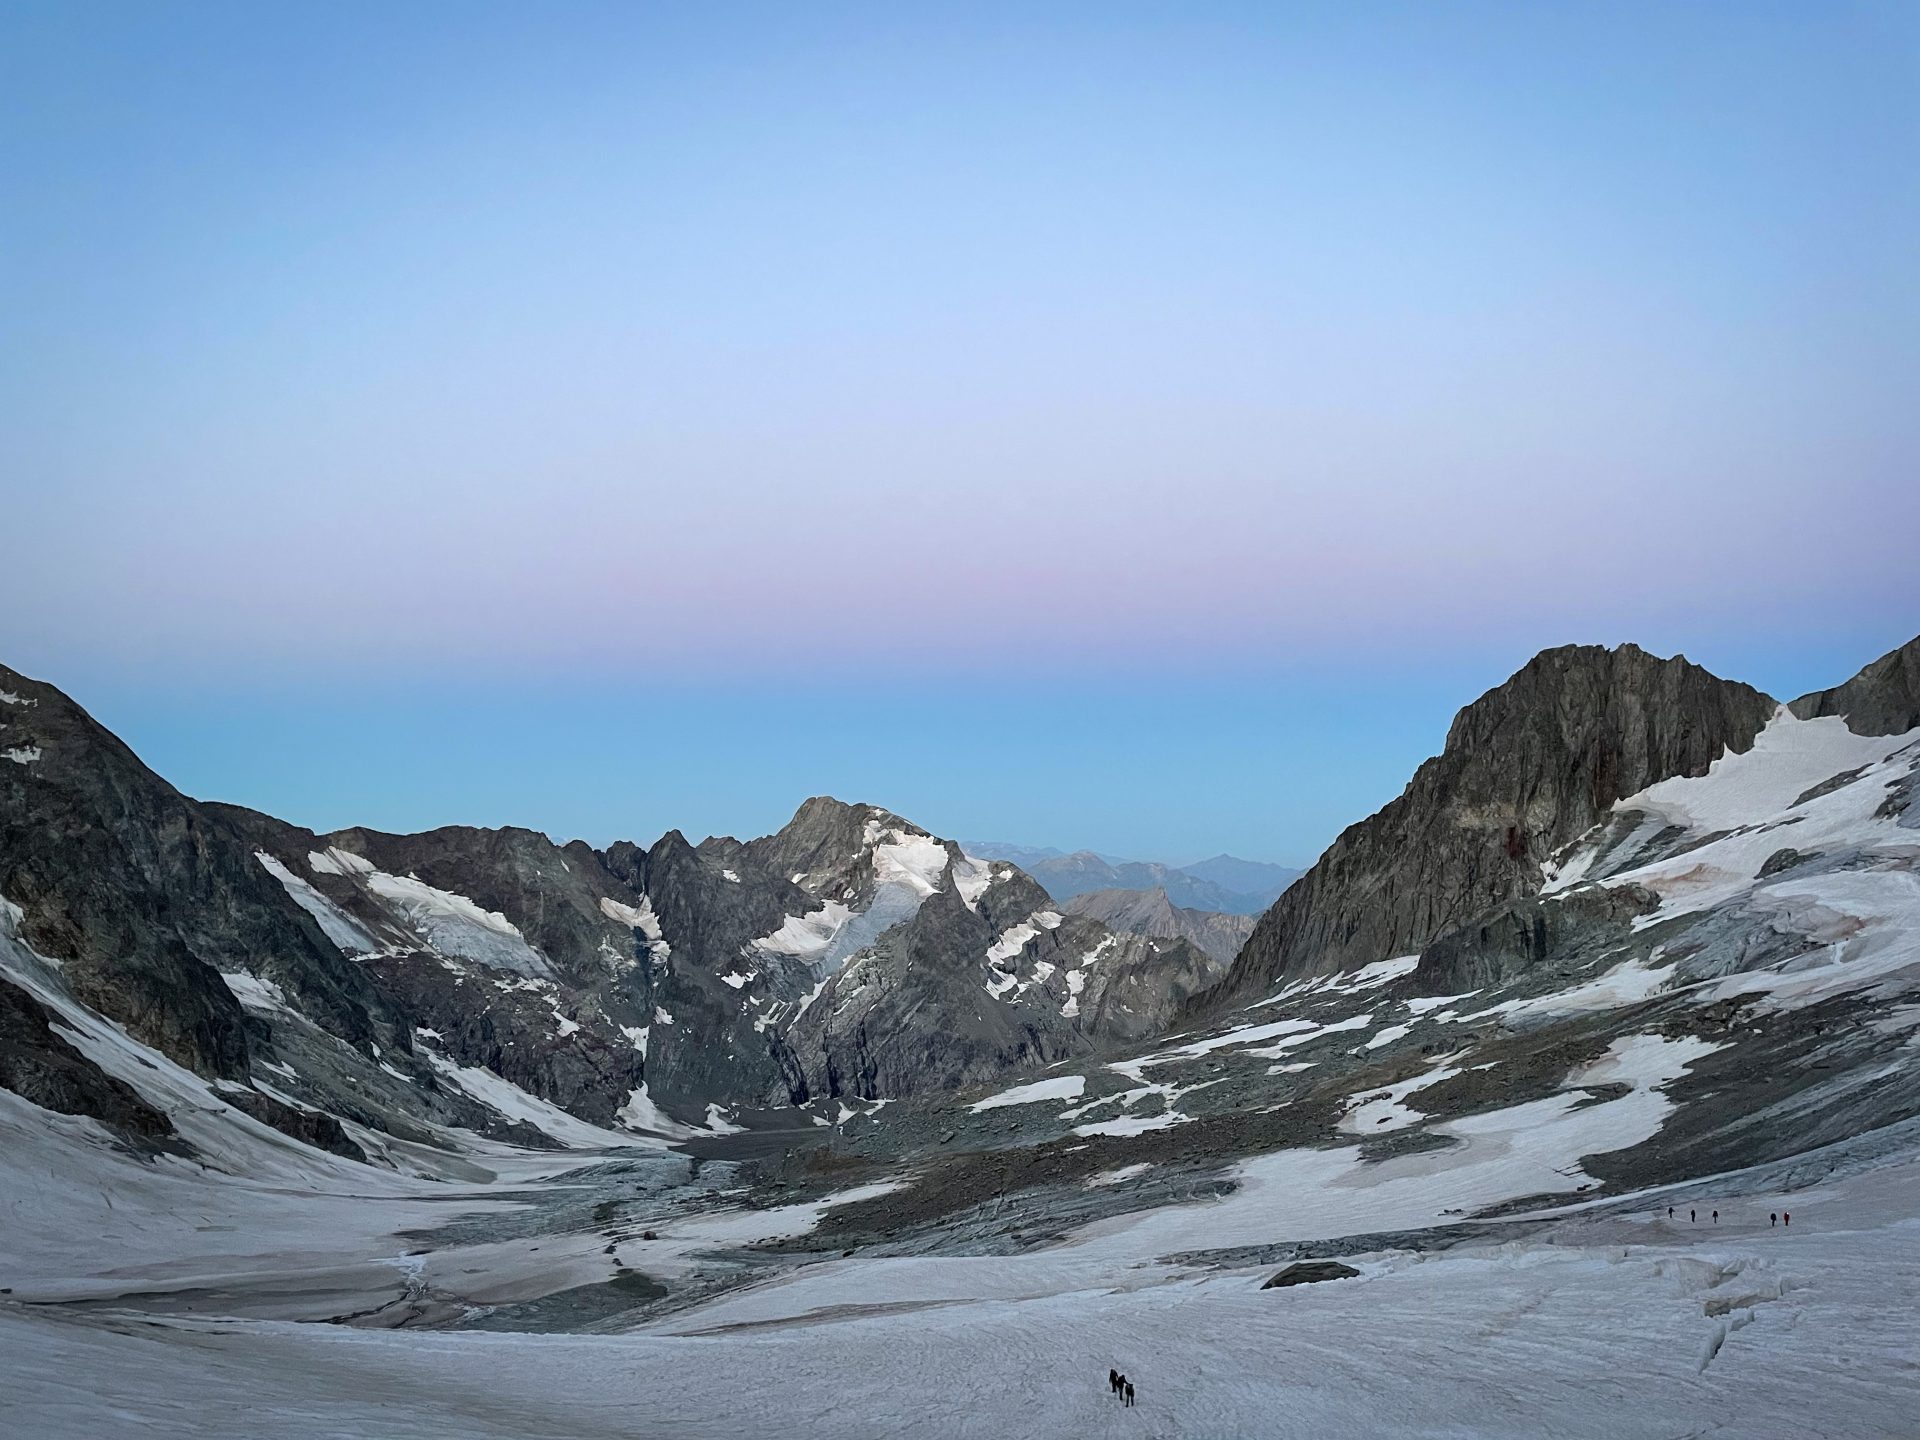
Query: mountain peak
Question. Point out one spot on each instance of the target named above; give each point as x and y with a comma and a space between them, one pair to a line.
1883, 699
1567, 684
1529, 765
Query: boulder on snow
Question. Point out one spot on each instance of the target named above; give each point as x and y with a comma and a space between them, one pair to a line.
1306, 1272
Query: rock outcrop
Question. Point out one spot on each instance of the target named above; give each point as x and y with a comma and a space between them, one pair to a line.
147, 898
1526, 768
1883, 699
38, 1065
1310, 1272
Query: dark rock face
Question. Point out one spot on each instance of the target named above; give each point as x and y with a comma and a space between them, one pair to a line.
868, 1033
314, 1127
1152, 913
1883, 699
1526, 768
925, 1009
494, 942
146, 897
826, 843
1139, 984
38, 1065
1525, 934
704, 1044
1309, 1272
695, 970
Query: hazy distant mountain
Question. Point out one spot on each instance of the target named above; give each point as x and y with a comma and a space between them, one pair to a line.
1243, 877
1024, 856
1225, 884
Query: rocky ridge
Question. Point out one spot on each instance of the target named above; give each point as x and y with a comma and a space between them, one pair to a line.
391, 980
1526, 768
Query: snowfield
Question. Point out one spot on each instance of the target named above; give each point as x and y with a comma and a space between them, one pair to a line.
1624, 1327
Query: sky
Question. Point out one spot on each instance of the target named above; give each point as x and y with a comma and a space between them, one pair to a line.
1128, 426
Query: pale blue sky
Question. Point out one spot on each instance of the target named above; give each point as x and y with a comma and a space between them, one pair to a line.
1131, 426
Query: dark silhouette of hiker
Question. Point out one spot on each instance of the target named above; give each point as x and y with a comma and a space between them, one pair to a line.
1129, 1385
1669, 1212
1693, 1216
1772, 1220
1786, 1217
1113, 1381
1716, 1217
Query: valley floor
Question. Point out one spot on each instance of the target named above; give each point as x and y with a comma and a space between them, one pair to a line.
1607, 1319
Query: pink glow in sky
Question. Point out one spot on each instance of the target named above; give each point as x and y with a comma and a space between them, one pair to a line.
918, 346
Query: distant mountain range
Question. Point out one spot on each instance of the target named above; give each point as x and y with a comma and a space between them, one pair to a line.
1225, 884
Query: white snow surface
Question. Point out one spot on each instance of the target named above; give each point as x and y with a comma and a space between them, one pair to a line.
1582, 1335
806, 937
640, 1113
1788, 758
1058, 1087
335, 861
509, 1100
1860, 921
635, 917
454, 925
347, 934
255, 993
901, 857
971, 877
1387, 1109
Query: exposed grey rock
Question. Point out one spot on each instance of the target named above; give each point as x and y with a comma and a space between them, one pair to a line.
718, 989
1152, 913
1311, 1272
38, 1065
315, 1127
917, 1012
704, 1045
1522, 935
549, 1008
1526, 768
903, 1017
146, 896
1781, 860
1883, 699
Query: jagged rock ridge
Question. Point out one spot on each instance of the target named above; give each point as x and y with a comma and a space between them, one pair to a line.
1526, 768
1883, 699
388, 980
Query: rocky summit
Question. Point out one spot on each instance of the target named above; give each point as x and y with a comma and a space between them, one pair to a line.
1526, 768
1595, 1047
